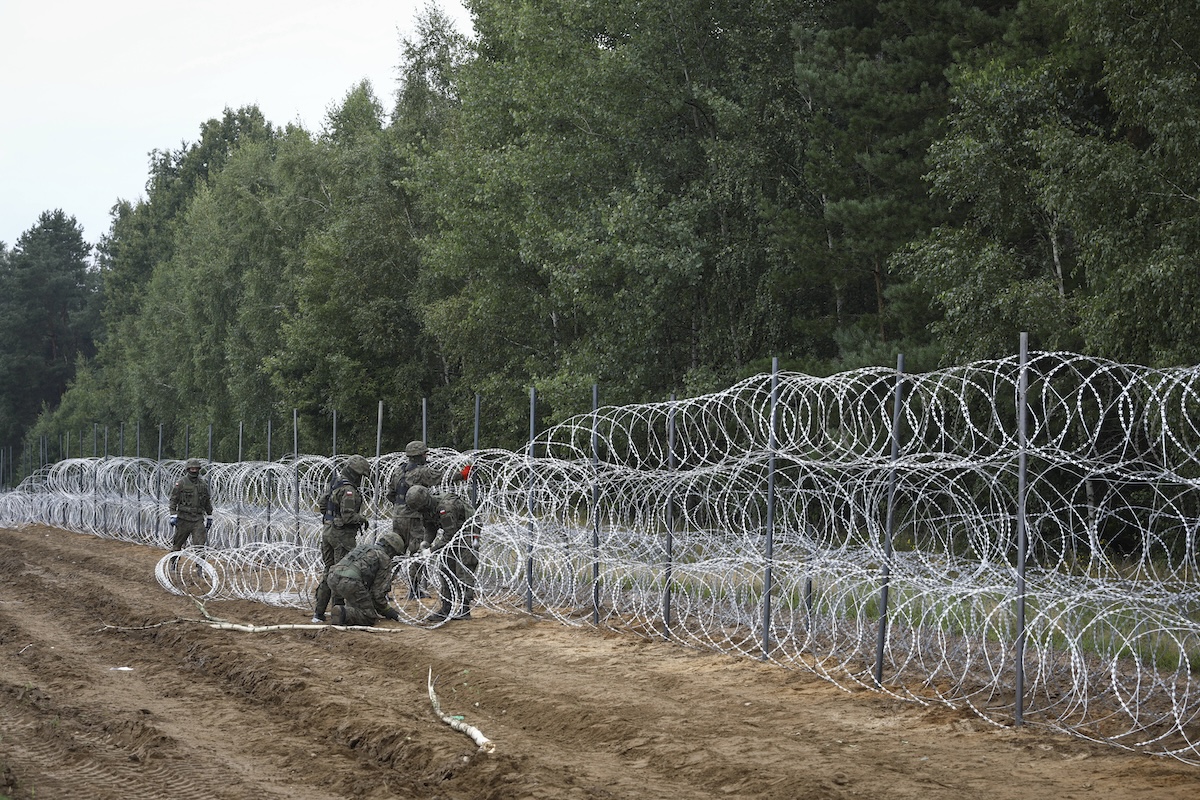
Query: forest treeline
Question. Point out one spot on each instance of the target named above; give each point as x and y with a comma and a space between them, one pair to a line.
655, 198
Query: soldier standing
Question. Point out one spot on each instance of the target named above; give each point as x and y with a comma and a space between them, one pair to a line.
458, 542
414, 472
342, 507
417, 471
190, 507
414, 514
415, 522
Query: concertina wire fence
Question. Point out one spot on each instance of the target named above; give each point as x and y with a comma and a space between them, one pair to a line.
908, 534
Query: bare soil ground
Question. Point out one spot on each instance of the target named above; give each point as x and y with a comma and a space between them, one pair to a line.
173, 708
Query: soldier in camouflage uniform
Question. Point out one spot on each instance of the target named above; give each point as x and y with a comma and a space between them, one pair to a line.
343, 508
458, 542
414, 515
416, 471
191, 507
415, 522
364, 578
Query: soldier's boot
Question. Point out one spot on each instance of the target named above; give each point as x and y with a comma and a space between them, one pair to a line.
442, 614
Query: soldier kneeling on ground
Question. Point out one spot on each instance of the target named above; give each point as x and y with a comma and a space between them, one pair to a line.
363, 579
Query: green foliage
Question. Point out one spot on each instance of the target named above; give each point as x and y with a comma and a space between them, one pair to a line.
49, 303
352, 253
1066, 160
606, 204
653, 198
875, 76
1129, 191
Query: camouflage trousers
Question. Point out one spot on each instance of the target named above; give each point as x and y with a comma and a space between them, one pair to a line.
411, 529
189, 529
459, 563
335, 544
346, 583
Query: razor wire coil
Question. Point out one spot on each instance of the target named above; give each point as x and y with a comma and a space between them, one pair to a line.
655, 518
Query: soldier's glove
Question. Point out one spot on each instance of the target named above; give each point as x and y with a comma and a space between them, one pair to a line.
392, 614
171, 520
207, 523
425, 551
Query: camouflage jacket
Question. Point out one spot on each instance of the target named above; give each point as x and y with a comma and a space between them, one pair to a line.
372, 565
348, 504
191, 499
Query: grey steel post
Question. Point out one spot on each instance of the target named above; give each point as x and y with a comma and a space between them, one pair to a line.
669, 575
137, 453
378, 449
296, 468
210, 442
237, 522
595, 505
425, 420
1022, 448
270, 481
472, 487
886, 573
768, 570
529, 545
104, 506
475, 440
159, 477
379, 433
335, 434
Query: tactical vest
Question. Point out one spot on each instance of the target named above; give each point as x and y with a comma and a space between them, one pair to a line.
191, 499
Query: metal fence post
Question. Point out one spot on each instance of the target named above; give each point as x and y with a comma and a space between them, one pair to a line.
529, 544
888, 534
1022, 453
595, 505
769, 556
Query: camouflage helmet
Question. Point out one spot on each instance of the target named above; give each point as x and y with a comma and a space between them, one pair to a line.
193, 463
415, 449
392, 542
418, 498
357, 465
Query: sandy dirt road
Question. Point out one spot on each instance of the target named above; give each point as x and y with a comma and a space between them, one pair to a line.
111, 687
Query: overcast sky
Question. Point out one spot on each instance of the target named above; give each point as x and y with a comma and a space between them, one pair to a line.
88, 89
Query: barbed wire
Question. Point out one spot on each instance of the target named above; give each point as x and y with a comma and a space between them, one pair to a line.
766, 520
